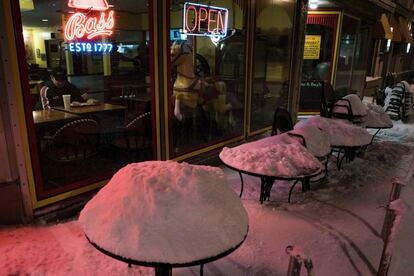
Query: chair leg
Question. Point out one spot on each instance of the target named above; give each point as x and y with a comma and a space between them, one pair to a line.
291, 189
242, 184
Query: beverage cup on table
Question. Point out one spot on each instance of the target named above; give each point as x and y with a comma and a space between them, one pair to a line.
66, 101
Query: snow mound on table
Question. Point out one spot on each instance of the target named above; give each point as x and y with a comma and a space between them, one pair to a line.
281, 160
376, 117
316, 141
166, 212
357, 106
283, 138
340, 132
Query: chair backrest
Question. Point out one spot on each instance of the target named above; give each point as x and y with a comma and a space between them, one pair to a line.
282, 121
75, 140
328, 98
141, 123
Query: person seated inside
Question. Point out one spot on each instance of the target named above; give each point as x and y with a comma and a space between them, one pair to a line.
58, 85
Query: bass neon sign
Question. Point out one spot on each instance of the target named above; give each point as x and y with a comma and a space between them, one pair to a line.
204, 20
89, 25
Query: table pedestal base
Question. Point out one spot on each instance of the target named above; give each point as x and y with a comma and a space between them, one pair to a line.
163, 271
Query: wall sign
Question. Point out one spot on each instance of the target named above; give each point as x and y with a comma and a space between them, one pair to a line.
204, 20
83, 26
311, 93
312, 47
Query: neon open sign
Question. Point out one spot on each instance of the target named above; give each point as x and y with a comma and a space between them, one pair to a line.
89, 25
204, 20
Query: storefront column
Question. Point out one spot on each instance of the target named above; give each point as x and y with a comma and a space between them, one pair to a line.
297, 57
13, 102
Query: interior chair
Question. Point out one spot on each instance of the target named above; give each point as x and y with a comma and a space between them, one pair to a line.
136, 135
73, 141
70, 148
282, 121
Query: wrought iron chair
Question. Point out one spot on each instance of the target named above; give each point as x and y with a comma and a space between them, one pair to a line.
282, 121
330, 103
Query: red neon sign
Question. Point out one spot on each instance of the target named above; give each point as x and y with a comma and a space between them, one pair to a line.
82, 25
204, 20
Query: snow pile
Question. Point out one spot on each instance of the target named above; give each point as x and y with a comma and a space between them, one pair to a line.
357, 106
407, 86
376, 117
281, 160
283, 138
340, 132
167, 212
316, 141
401, 132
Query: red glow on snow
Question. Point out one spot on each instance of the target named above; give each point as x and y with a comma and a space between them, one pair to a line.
95, 5
80, 25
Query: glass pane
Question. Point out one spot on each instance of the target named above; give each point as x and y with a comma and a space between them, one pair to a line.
361, 59
320, 68
273, 44
207, 68
90, 93
318, 59
347, 56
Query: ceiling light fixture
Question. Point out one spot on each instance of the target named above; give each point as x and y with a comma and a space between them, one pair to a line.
45, 20
313, 4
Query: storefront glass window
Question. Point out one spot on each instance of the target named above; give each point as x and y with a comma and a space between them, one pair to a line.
90, 89
361, 59
273, 45
319, 58
347, 57
207, 73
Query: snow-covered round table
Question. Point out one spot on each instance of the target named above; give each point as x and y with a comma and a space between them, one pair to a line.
345, 137
278, 161
376, 118
165, 214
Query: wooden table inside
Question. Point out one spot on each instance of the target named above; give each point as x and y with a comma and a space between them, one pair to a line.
51, 115
103, 107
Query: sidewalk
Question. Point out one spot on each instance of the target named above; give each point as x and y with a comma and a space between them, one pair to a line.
337, 224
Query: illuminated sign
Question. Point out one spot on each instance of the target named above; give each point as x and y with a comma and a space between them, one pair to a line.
90, 47
204, 20
80, 25
312, 48
94, 5
89, 25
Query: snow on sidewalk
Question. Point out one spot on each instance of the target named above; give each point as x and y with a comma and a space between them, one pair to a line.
337, 224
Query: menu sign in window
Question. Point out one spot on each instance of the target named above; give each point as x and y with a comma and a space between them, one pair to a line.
312, 47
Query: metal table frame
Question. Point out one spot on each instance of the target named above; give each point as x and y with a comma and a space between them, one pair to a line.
268, 181
165, 269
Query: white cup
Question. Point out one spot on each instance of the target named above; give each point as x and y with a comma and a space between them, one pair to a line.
66, 101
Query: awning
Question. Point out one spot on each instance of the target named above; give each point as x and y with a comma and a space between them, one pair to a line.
405, 32
382, 29
396, 33
387, 5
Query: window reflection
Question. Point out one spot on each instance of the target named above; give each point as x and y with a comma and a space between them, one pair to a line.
273, 39
207, 81
106, 122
